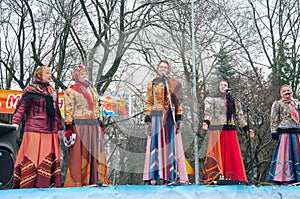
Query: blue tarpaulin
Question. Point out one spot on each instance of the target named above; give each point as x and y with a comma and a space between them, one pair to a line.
157, 192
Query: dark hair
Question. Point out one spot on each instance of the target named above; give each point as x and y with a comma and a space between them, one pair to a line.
230, 103
231, 108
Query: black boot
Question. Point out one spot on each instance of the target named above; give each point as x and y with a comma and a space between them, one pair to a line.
147, 182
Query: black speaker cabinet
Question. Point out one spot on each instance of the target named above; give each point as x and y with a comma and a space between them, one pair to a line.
7, 155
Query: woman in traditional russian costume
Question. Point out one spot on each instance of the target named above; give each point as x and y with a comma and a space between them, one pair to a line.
223, 157
285, 165
38, 159
83, 126
165, 158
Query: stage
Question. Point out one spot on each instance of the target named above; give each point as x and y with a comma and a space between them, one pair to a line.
157, 192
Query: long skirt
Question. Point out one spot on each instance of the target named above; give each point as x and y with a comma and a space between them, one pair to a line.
285, 166
223, 157
165, 158
83, 156
38, 161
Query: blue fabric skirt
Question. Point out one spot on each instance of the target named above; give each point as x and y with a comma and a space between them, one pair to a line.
285, 165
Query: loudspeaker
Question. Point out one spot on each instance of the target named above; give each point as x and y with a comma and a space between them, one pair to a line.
7, 155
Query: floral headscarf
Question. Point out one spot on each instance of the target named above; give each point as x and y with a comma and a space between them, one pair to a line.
38, 73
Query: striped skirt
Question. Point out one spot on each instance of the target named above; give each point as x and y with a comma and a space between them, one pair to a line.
165, 158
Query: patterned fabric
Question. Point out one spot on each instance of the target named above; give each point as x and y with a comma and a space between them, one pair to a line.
285, 166
41, 88
284, 114
156, 98
164, 152
223, 156
38, 166
77, 106
38, 73
82, 88
165, 158
78, 69
40, 105
215, 112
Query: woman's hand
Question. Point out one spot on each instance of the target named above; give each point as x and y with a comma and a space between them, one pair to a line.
205, 126
148, 129
251, 131
16, 126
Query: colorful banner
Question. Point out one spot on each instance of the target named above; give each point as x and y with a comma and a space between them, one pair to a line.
9, 100
112, 105
115, 105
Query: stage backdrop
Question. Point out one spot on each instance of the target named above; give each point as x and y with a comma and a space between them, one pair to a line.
111, 105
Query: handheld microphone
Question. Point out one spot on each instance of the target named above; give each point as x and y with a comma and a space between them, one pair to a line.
227, 89
86, 80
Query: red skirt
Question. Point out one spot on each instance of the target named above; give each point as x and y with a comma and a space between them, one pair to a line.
223, 157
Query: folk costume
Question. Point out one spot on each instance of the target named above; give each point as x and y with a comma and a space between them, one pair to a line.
38, 161
164, 151
285, 165
82, 118
223, 156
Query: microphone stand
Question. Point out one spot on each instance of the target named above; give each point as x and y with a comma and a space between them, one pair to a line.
165, 78
99, 182
247, 109
297, 106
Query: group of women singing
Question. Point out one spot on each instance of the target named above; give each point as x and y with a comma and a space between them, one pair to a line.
38, 159
223, 157
223, 114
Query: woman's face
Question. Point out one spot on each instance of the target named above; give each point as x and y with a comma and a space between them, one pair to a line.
286, 92
222, 86
82, 76
163, 68
46, 76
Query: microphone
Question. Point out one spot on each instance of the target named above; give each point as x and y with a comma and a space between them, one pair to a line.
288, 93
227, 90
106, 79
89, 82
164, 75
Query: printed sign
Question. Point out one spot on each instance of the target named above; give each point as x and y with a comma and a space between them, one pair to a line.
115, 105
111, 105
9, 99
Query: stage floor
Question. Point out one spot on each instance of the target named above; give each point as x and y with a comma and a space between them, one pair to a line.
157, 192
